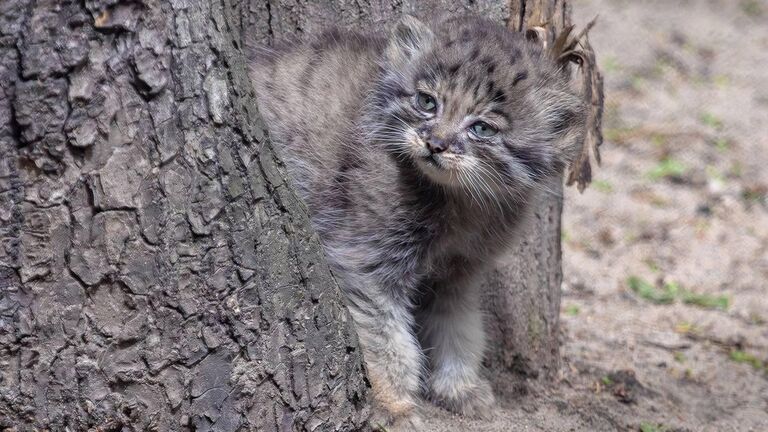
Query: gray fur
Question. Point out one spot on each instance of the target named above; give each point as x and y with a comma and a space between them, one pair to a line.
408, 232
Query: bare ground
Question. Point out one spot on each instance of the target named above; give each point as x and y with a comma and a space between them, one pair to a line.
665, 299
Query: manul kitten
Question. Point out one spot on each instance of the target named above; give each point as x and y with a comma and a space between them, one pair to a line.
417, 154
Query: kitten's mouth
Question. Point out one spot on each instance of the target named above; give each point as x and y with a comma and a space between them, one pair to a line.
432, 161
438, 168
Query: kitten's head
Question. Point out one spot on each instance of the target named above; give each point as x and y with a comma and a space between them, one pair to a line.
474, 105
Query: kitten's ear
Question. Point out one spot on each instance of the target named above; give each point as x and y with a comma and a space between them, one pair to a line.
565, 119
409, 37
537, 35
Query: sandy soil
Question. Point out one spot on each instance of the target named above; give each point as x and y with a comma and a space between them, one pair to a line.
680, 207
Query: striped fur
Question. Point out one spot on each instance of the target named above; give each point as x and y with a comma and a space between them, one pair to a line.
408, 232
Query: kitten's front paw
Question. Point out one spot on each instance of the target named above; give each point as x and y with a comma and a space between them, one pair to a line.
472, 399
384, 421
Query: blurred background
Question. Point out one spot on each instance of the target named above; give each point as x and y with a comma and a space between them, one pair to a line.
665, 307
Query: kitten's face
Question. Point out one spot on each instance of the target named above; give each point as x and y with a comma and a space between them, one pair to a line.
470, 104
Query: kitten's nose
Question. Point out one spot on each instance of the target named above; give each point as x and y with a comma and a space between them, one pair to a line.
436, 145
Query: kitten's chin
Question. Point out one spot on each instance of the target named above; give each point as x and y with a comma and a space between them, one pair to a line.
438, 170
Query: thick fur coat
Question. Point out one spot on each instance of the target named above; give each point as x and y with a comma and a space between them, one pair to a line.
417, 154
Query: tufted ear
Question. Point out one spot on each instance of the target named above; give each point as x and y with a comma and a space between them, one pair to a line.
537, 35
565, 116
408, 38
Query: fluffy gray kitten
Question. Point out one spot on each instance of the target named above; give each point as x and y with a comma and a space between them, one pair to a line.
416, 155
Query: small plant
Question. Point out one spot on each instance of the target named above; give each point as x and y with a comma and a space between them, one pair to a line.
619, 134
652, 427
754, 193
744, 357
671, 291
756, 319
667, 168
658, 139
602, 185
685, 327
721, 81
722, 144
752, 8
610, 64
572, 310
711, 120
706, 301
652, 265
637, 82
649, 292
689, 374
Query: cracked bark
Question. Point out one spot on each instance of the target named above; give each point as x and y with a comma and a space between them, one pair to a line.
156, 270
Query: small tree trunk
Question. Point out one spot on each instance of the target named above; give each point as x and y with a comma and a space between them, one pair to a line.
522, 297
156, 270
523, 294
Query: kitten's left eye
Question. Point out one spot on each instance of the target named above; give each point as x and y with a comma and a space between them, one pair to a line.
426, 102
483, 130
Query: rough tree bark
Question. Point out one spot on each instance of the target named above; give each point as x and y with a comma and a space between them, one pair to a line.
156, 270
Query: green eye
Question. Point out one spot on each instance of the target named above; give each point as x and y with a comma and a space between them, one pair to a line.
426, 102
483, 130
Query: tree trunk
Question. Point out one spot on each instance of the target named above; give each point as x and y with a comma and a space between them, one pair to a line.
156, 269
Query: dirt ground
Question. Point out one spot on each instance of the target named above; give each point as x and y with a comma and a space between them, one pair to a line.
665, 298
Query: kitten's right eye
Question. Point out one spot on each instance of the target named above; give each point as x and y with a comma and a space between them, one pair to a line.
426, 102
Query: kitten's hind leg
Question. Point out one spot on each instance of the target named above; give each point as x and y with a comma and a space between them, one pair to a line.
393, 358
451, 332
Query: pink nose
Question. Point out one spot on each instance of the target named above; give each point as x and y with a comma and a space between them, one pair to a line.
436, 145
